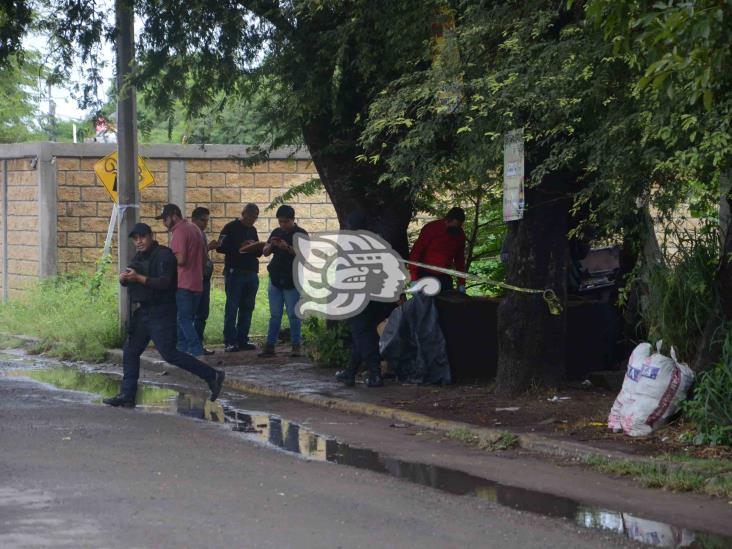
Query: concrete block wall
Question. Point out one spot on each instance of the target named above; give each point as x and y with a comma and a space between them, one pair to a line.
19, 225
58, 212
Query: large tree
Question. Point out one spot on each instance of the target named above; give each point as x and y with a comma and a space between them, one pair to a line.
20, 117
535, 66
328, 61
681, 53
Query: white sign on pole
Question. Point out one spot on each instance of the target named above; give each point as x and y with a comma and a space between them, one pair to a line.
513, 175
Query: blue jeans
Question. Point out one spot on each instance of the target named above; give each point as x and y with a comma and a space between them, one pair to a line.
241, 295
187, 303
201, 315
157, 322
278, 298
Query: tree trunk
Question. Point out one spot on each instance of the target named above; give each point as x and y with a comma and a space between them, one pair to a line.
531, 341
709, 350
353, 185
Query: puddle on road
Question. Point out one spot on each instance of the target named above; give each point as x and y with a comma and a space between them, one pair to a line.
298, 439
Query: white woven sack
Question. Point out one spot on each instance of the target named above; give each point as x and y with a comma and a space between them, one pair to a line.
654, 387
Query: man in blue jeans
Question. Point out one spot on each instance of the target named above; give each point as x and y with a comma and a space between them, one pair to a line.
282, 289
200, 217
240, 244
187, 243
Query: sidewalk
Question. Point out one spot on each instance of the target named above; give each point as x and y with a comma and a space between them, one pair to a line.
571, 423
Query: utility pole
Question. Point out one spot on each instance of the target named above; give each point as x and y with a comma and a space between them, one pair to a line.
129, 211
51, 122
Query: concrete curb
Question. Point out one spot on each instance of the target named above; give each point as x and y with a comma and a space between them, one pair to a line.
528, 441
532, 442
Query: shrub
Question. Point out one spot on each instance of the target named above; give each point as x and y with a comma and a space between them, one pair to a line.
327, 343
681, 293
710, 408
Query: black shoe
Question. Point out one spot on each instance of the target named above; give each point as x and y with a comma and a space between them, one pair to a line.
216, 385
231, 349
347, 377
248, 347
208, 352
120, 400
268, 351
374, 380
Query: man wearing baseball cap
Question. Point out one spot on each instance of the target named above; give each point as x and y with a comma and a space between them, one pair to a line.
188, 245
151, 282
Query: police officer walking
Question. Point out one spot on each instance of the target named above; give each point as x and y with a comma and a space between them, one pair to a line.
151, 281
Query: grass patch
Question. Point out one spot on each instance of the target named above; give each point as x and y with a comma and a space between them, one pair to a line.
464, 435
71, 320
676, 473
10, 342
500, 442
75, 316
214, 334
504, 441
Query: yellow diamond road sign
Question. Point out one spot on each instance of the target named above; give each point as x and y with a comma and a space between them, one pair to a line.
106, 170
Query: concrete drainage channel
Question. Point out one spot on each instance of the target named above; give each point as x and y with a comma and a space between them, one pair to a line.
292, 437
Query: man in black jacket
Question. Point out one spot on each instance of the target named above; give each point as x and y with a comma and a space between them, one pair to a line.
240, 244
282, 292
151, 281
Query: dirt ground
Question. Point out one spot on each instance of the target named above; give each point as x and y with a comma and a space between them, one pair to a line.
573, 412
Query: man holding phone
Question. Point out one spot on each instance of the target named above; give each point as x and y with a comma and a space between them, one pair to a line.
240, 245
151, 281
282, 291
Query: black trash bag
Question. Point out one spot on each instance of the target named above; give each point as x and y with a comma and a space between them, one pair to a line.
413, 344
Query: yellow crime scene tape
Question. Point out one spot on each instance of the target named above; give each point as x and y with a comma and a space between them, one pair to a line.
549, 295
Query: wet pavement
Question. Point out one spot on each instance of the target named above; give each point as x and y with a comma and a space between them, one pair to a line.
292, 436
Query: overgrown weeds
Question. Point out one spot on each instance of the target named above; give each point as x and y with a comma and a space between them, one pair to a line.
710, 408
327, 343
682, 292
705, 476
71, 320
75, 316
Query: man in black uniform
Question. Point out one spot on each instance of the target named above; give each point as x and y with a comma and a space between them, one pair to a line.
151, 280
363, 326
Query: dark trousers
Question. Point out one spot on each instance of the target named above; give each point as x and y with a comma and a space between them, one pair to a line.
445, 279
241, 295
365, 338
156, 322
201, 316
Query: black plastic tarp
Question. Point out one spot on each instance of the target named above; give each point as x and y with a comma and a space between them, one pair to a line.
413, 344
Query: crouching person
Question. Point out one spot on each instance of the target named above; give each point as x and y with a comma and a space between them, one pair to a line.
151, 281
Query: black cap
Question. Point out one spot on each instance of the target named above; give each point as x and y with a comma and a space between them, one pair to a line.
140, 228
168, 210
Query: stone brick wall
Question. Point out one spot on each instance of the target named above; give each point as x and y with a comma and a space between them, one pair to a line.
224, 186
20, 181
84, 210
60, 225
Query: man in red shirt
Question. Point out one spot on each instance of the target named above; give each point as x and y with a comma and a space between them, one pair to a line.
441, 243
188, 245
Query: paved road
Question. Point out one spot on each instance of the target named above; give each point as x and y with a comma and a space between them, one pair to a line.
76, 474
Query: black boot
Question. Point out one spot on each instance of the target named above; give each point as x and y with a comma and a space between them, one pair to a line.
348, 375
120, 400
374, 378
216, 384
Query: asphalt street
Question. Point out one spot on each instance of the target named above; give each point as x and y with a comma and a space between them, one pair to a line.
74, 473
